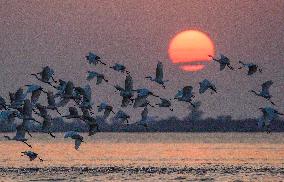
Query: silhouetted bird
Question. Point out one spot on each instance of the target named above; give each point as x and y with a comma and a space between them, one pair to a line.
265, 91
75, 136
120, 68
107, 109
165, 103
159, 75
94, 59
205, 85
252, 68
20, 134
100, 77
223, 61
46, 75
32, 155
269, 114
185, 95
127, 92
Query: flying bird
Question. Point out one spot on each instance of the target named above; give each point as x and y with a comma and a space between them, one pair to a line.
32, 155
145, 92
268, 114
75, 136
100, 77
265, 91
165, 103
73, 113
107, 109
46, 76
127, 92
159, 75
46, 125
205, 85
52, 105
120, 68
90, 121
86, 93
94, 59
252, 68
123, 116
185, 95
20, 134
223, 61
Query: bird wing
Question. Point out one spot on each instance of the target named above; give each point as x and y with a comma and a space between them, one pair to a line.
187, 90
159, 71
265, 86
99, 80
252, 69
144, 114
179, 94
222, 66
88, 92
20, 132
19, 95
35, 96
203, 86
32, 88
260, 122
77, 143
73, 111
69, 88
70, 134
107, 113
125, 102
128, 83
140, 101
27, 108
51, 99
91, 75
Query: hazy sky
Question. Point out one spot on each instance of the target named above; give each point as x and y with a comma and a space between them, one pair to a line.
137, 33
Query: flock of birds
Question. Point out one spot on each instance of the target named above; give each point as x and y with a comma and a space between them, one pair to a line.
25, 104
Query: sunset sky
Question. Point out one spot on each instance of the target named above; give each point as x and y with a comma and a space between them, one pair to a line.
137, 33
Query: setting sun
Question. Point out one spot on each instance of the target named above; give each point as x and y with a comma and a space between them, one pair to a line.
192, 47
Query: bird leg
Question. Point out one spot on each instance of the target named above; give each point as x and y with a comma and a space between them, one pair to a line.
27, 144
231, 68
56, 109
102, 62
53, 79
53, 136
40, 159
28, 132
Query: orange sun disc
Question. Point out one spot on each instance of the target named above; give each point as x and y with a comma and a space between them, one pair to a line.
190, 49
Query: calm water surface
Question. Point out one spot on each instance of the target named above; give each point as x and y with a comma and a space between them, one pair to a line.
182, 156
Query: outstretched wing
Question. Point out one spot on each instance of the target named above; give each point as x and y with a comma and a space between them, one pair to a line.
91, 75
128, 83
265, 86
222, 66
77, 143
252, 69
144, 114
88, 93
159, 71
187, 90
125, 102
